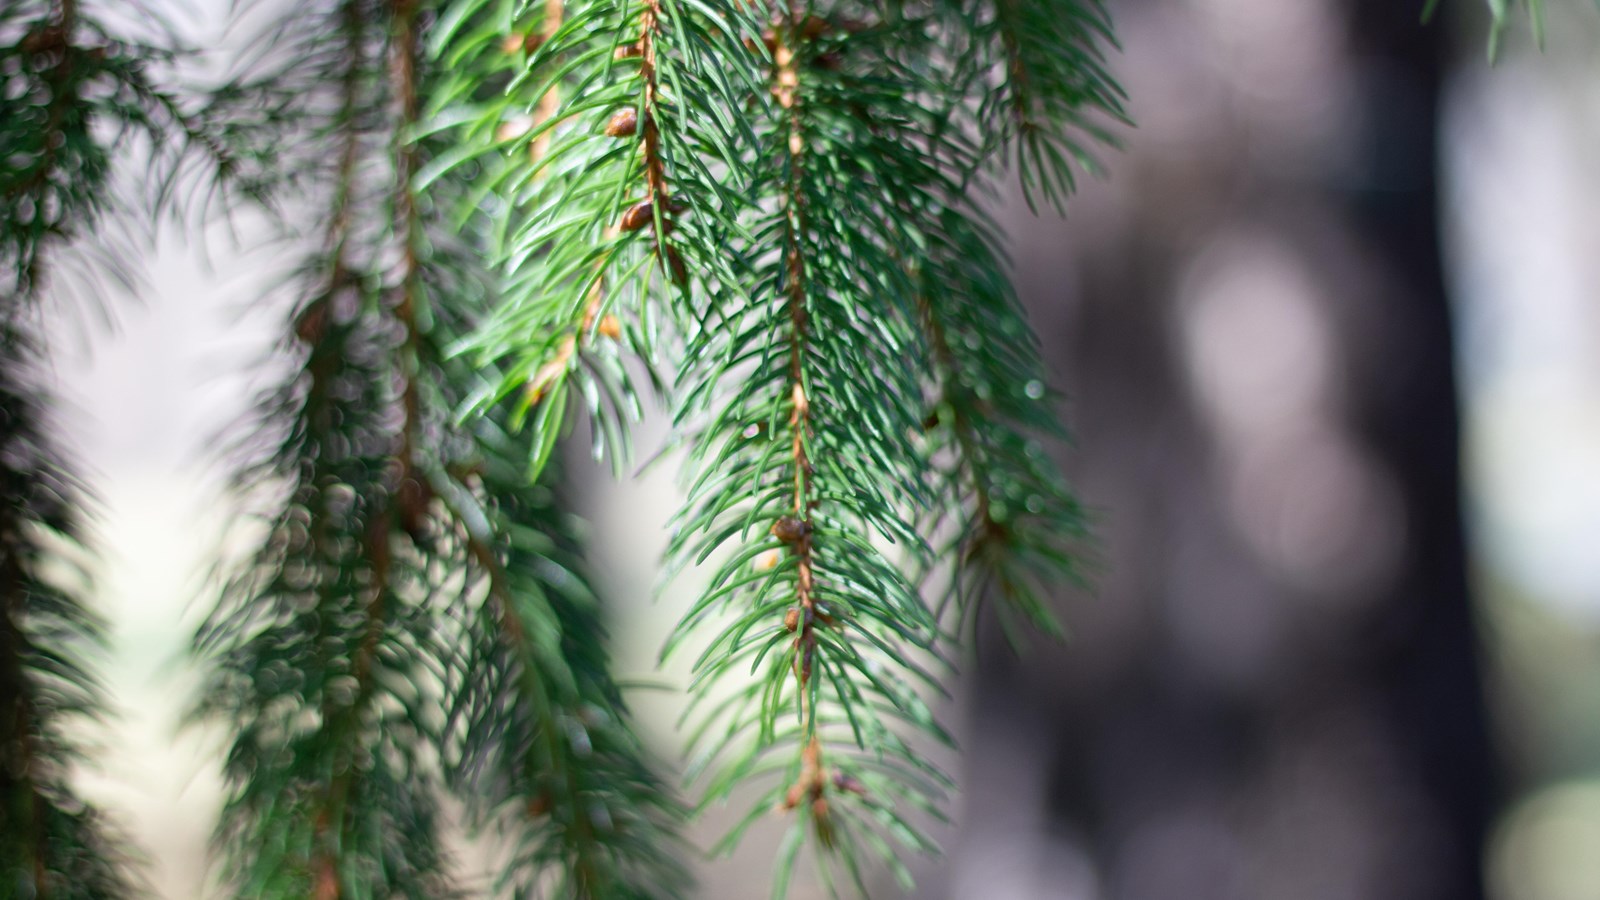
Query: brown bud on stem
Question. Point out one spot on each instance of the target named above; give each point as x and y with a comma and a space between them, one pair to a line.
794, 796
791, 619
789, 529
629, 51
637, 216
623, 123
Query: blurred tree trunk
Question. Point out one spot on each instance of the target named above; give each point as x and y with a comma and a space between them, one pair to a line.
1274, 691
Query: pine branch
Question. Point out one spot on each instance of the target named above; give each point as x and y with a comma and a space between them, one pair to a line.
53, 845
1054, 96
1018, 529
837, 282
540, 736
333, 614
611, 146
71, 97
848, 641
451, 580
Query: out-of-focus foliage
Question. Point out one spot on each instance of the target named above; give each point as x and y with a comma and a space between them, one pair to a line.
72, 97
416, 618
51, 842
1502, 13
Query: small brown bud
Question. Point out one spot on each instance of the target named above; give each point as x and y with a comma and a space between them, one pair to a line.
814, 27
791, 619
789, 529
794, 796
820, 820
327, 885
629, 51
610, 327
623, 123
637, 216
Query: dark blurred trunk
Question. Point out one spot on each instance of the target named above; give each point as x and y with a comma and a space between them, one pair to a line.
1274, 692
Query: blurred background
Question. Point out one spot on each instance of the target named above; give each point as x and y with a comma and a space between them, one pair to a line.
1329, 331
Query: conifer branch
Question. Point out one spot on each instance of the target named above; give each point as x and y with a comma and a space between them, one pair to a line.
797, 529
826, 301
70, 96
1051, 91
600, 205
52, 844
1018, 528
450, 582
331, 613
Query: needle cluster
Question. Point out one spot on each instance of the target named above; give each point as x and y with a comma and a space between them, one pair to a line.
774, 211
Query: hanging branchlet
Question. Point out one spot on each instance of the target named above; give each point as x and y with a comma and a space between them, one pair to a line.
1015, 531
807, 456
332, 613
1046, 98
52, 843
536, 728
72, 95
878, 265
413, 589
613, 196
801, 172
1037, 88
